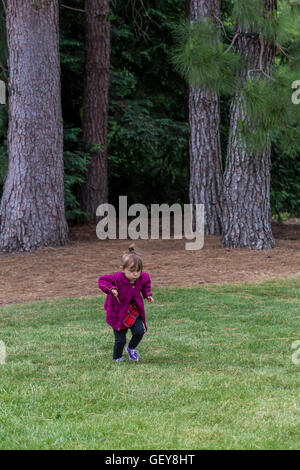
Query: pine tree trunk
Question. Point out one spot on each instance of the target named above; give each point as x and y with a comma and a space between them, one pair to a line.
32, 206
246, 197
95, 103
205, 184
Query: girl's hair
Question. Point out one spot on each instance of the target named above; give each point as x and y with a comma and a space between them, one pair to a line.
130, 257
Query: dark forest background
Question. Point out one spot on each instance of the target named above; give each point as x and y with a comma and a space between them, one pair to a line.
148, 123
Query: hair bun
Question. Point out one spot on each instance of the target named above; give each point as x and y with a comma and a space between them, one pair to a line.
131, 258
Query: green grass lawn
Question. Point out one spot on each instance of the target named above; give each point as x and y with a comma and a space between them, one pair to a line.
216, 372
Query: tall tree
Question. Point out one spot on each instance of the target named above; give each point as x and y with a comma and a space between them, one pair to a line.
205, 181
246, 202
95, 103
32, 206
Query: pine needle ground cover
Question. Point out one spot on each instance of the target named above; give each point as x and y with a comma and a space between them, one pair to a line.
216, 372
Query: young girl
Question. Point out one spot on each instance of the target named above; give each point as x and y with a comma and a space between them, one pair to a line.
124, 305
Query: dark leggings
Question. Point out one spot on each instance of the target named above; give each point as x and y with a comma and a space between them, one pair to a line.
137, 331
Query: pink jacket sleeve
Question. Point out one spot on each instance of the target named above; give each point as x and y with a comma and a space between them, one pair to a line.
106, 283
146, 289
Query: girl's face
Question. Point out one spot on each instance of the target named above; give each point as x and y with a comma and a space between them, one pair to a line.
131, 272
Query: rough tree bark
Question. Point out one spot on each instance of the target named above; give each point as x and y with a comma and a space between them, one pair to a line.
95, 103
205, 182
32, 206
246, 197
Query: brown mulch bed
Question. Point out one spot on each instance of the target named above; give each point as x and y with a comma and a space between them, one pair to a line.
73, 270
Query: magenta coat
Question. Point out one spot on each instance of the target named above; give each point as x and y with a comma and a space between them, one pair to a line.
115, 311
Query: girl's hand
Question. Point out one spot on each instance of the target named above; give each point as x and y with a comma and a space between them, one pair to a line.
150, 299
115, 294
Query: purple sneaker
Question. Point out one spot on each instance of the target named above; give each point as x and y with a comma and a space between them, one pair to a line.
133, 354
120, 359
